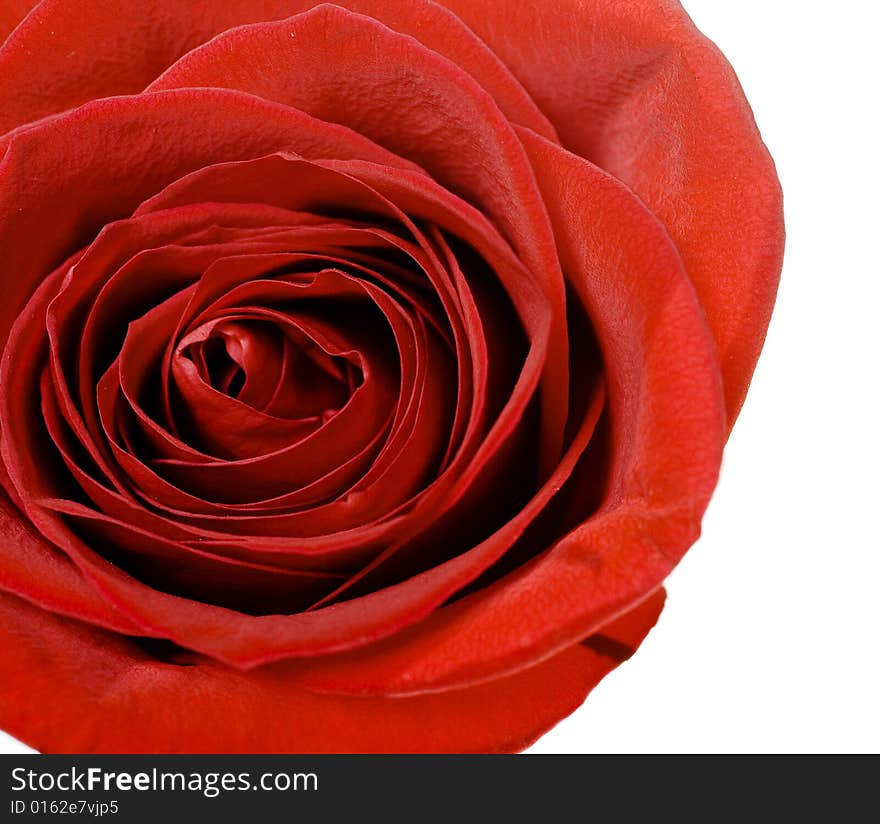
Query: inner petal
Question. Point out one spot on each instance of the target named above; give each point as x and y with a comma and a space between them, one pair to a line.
279, 371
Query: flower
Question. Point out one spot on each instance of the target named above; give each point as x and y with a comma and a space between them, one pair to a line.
366, 367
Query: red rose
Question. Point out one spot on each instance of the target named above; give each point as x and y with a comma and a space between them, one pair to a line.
366, 367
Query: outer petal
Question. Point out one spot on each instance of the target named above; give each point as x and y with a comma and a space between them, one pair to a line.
48, 578
67, 687
634, 87
12, 12
55, 62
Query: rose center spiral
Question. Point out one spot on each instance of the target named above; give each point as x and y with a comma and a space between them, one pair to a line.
284, 372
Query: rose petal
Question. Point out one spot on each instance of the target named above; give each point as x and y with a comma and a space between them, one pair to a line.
79, 63
37, 571
634, 87
12, 12
66, 687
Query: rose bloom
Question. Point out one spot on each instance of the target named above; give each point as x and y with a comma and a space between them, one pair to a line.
366, 367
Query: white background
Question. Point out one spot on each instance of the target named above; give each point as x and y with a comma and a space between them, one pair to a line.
769, 641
